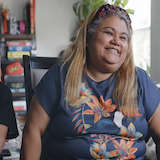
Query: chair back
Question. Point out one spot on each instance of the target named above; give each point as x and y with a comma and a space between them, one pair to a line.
34, 69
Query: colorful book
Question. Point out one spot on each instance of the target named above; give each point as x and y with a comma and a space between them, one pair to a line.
19, 48
14, 69
19, 43
17, 90
19, 105
15, 85
14, 79
17, 54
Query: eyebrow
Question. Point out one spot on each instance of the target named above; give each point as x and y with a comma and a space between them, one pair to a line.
127, 34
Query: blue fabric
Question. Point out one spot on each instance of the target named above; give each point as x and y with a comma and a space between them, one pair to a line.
92, 127
7, 115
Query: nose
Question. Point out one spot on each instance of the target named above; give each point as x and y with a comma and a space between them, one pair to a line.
115, 40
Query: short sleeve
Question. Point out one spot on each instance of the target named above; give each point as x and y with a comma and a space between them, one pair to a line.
150, 93
48, 90
7, 114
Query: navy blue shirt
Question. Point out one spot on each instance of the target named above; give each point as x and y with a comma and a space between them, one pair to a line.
7, 115
92, 127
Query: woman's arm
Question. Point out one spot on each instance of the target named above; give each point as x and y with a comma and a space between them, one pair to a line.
154, 122
35, 126
3, 134
155, 127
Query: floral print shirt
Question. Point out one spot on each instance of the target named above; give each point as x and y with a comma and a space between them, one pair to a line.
92, 127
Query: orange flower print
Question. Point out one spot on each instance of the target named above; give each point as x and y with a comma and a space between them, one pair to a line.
98, 148
125, 149
85, 96
100, 108
107, 106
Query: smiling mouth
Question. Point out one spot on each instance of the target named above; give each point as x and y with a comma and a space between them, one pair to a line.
114, 50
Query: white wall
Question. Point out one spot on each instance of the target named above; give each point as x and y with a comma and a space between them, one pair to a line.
55, 22
54, 25
16, 7
155, 40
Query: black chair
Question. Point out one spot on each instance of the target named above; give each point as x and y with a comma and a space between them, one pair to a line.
38, 64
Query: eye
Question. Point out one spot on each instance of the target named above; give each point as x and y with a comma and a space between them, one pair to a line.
108, 32
124, 38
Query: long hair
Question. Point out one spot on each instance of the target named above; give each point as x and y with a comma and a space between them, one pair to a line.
125, 91
75, 55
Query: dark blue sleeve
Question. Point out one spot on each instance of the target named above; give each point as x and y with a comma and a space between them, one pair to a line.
48, 90
7, 114
150, 93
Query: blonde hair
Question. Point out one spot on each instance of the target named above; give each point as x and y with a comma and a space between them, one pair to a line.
125, 91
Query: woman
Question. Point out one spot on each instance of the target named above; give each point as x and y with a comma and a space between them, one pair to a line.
95, 104
8, 125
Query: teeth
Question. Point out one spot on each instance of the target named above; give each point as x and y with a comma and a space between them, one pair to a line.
115, 51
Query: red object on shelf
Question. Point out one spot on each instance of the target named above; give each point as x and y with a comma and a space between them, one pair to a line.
5, 27
0, 75
14, 69
32, 15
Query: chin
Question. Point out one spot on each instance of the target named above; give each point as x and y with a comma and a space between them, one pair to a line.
111, 68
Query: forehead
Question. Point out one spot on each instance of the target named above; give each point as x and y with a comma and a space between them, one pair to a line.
114, 22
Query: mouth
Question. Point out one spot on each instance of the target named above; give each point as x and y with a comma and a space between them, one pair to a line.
114, 50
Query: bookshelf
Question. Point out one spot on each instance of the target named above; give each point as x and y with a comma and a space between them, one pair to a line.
11, 31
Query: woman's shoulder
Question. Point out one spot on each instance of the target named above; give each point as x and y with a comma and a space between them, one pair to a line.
144, 80
59, 68
141, 72
142, 75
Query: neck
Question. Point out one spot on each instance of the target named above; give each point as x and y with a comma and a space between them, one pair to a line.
97, 76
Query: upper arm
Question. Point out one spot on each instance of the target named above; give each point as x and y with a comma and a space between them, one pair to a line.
37, 117
149, 93
3, 131
155, 121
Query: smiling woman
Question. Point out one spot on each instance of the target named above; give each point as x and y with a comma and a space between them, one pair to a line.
105, 103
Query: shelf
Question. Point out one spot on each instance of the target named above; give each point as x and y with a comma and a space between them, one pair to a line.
17, 37
18, 95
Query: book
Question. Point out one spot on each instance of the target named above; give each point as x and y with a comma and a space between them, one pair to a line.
5, 25
19, 48
14, 69
17, 90
17, 54
27, 18
13, 79
32, 16
19, 43
15, 85
19, 105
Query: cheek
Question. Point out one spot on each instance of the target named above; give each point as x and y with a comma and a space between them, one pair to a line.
95, 47
125, 49
124, 53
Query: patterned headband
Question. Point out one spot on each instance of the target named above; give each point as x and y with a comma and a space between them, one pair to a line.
108, 9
